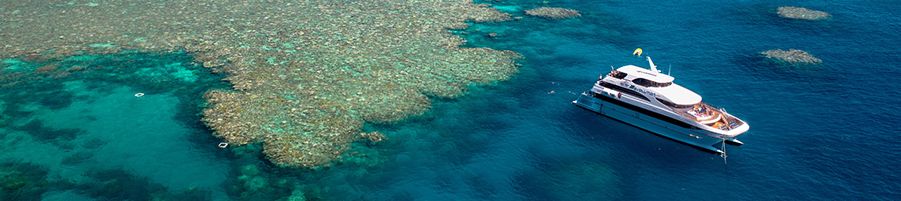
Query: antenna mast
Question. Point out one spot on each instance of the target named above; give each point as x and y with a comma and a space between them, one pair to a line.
653, 67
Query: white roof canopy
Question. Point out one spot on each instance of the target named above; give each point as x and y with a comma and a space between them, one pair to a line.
677, 94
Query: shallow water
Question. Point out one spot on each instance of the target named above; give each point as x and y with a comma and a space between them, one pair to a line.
76, 123
817, 132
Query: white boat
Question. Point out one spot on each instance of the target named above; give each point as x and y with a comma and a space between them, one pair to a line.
648, 99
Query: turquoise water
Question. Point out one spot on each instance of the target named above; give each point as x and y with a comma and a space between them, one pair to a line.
824, 132
84, 127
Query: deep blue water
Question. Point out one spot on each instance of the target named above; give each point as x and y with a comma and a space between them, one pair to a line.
824, 132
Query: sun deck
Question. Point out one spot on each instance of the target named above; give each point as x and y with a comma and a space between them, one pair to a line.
710, 116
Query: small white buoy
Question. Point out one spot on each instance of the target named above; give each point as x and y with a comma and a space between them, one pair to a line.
223, 145
139, 94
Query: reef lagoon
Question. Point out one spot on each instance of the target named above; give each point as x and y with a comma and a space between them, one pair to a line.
435, 100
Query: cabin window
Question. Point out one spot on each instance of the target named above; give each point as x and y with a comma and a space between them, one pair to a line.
649, 113
673, 105
624, 90
649, 83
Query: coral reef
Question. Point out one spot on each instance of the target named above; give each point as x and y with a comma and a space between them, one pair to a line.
296, 195
553, 13
248, 182
791, 56
93, 143
306, 74
22, 181
800, 13
77, 158
39, 131
25, 181
118, 184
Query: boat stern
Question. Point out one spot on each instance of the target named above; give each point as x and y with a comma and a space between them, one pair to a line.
586, 101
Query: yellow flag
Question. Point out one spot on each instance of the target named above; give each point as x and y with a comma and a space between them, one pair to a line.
637, 52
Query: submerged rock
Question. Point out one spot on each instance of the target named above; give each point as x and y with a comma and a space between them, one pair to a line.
792, 56
553, 13
373, 137
492, 35
800, 13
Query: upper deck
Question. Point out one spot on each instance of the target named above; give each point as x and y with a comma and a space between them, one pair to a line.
659, 86
635, 72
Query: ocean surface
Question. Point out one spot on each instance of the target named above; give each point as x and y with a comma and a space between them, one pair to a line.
818, 132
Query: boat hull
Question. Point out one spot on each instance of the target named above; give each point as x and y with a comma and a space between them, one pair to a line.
692, 136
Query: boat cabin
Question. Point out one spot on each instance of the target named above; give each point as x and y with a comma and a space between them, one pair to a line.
658, 85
